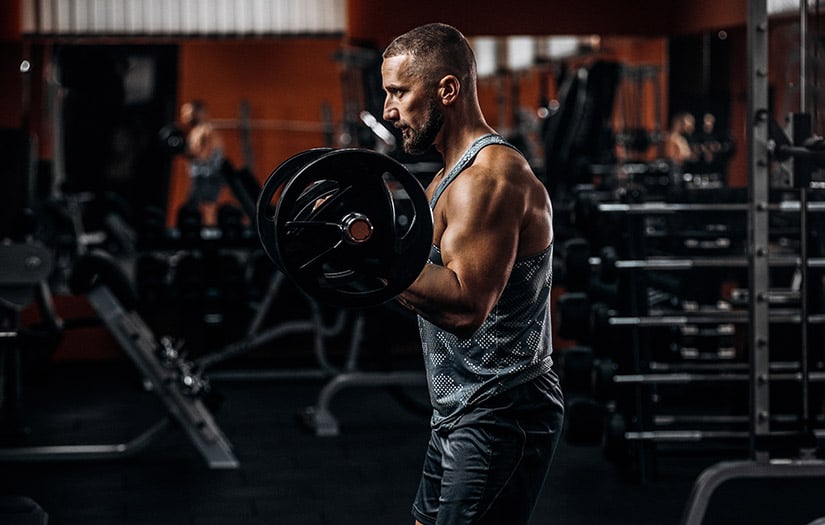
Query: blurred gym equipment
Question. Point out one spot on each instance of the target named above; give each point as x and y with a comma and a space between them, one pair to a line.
109, 291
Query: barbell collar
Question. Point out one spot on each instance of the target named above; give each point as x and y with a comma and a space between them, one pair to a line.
356, 228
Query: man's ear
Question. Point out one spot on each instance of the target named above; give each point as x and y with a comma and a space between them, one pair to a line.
448, 89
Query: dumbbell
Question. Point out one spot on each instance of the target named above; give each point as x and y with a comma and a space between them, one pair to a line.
172, 140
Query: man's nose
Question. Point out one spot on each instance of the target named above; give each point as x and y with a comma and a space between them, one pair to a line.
390, 113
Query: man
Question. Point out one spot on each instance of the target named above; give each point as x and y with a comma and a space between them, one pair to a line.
484, 300
204, 150
677, 146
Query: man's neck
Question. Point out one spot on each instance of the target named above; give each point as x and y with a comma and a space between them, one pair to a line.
453, 147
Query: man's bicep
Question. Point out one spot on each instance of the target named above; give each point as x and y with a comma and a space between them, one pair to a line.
480, 241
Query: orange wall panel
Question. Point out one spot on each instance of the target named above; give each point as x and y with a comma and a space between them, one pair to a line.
10, 13
285, 82
380, 21
695, 16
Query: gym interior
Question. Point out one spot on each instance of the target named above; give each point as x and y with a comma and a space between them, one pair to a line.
163, 363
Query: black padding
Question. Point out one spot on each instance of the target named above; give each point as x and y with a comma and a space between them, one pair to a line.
607, 270
151, 273
152, 226
573, 313
577, 367
584, 421
230, 222
101, 269
190, 222
244, 186
604, 372
21, 510
577, 264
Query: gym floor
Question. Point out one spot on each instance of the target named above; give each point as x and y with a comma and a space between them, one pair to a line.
288, 475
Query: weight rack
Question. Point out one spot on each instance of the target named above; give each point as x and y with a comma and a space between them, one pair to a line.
653, 305
760, 464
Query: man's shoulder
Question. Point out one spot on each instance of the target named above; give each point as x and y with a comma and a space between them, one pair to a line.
500, 159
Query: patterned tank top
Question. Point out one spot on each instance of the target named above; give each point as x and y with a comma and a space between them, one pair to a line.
513, 345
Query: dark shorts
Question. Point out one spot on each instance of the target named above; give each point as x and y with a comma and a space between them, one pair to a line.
490, 467
205, 189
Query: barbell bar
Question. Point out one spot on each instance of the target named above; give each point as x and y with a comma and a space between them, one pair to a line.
649, 208
711, 317
681, 378
688, 263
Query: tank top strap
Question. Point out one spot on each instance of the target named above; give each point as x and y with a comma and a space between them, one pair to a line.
467, 159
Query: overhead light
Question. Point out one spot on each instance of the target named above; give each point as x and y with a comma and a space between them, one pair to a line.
780, 7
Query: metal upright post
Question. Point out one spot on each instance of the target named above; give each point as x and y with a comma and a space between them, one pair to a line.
803, 54
801, 126
758, 225
802, 182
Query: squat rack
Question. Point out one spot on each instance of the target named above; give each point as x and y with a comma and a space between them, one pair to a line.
760, 465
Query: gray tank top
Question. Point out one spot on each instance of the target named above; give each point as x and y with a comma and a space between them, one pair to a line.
513, 345
209, 168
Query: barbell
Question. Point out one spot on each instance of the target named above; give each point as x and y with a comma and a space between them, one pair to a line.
350, 227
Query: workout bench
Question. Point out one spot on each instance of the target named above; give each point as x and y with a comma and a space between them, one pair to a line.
109, 292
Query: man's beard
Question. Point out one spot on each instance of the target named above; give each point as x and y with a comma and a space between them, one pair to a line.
417, 142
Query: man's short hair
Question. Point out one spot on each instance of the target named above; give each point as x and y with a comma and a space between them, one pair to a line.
437, 50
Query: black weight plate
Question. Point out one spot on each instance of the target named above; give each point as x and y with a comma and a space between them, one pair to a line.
270, 193
361, 187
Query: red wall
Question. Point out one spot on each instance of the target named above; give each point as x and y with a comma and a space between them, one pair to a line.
379, 20
285, 81
10, 20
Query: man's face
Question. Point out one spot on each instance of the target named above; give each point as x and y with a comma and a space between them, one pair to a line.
191, 115
410, 106
187, 113
690, 124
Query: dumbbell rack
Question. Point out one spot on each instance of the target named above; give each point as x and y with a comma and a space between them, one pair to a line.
754, 312
646, 372
761, 464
